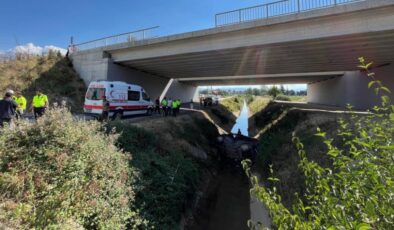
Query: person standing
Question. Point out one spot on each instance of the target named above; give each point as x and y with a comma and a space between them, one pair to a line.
157, 105
7, 108
22, 103
174, 107
40, 104
169, 106
106, 107
178, 105
164, 104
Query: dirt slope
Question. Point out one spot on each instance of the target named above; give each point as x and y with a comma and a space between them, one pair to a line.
54, 75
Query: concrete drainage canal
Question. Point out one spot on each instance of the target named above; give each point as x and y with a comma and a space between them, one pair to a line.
227, 202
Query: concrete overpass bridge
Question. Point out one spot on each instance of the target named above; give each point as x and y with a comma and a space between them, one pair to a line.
318, 47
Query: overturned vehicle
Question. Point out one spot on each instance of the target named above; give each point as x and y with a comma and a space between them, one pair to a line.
236, 147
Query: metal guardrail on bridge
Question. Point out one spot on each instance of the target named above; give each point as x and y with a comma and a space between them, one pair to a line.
130, 37
274, 9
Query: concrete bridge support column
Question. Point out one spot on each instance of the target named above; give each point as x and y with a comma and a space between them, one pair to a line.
178, 90
352, 88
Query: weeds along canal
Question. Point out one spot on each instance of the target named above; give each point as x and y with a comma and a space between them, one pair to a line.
226, 202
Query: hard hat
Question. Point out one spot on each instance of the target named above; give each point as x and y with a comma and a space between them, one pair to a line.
10, 91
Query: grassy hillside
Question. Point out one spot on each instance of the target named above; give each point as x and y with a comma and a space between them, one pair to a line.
277, 149
171, 157
54, 75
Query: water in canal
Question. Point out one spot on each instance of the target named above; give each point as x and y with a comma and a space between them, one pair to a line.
227, 203
241, 123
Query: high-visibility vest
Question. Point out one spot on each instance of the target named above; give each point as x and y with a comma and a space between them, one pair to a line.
164, 102
174, 104
21, 101
179, 103
40, 101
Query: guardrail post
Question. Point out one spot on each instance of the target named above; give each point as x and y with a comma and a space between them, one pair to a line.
216, 20
298, 6
335, 2
266, 10
240, 17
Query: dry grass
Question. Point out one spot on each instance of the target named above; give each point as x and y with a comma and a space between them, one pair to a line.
55, 76
258, 104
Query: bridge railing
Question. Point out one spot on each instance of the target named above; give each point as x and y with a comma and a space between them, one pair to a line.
274, 9
130, 37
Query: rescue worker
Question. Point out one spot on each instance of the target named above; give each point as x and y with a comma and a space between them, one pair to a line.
22, 103
7, 108
106, 107
157, 105
40, 104
174, 107
164, 104
178, 107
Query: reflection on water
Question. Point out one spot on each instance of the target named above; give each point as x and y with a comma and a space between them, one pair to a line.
242, 121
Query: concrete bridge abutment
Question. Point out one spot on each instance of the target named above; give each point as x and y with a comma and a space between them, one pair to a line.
351, 88
93, 66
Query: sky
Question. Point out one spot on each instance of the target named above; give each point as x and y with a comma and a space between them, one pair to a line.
36, 25
53, 22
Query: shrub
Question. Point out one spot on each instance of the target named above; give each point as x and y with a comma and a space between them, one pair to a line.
282, 97
357, 191
166, 181
61, 173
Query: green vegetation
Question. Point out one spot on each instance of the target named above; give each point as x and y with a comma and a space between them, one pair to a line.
168, 175
282, 97
258, 104
353, 189
232, 104
52, 73
274, 91
298, 98
60, 173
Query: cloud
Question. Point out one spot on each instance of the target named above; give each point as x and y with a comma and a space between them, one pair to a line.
31, 49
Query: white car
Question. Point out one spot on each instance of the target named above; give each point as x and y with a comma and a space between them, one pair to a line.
125, 99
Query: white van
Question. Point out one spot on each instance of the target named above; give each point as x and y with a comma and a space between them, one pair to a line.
124, 99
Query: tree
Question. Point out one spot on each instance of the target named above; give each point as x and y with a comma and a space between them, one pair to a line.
273, 91
282, 89
356, 191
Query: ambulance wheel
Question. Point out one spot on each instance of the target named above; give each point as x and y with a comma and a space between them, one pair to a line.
118, 115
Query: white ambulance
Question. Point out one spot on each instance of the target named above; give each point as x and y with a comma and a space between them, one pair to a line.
124, 99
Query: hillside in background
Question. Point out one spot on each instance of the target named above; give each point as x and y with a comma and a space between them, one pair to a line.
53, 74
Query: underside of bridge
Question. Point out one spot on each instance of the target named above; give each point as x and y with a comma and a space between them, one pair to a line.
319, 48
280, 63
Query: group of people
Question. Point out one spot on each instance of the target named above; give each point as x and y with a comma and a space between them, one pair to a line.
168, 106
14, 105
